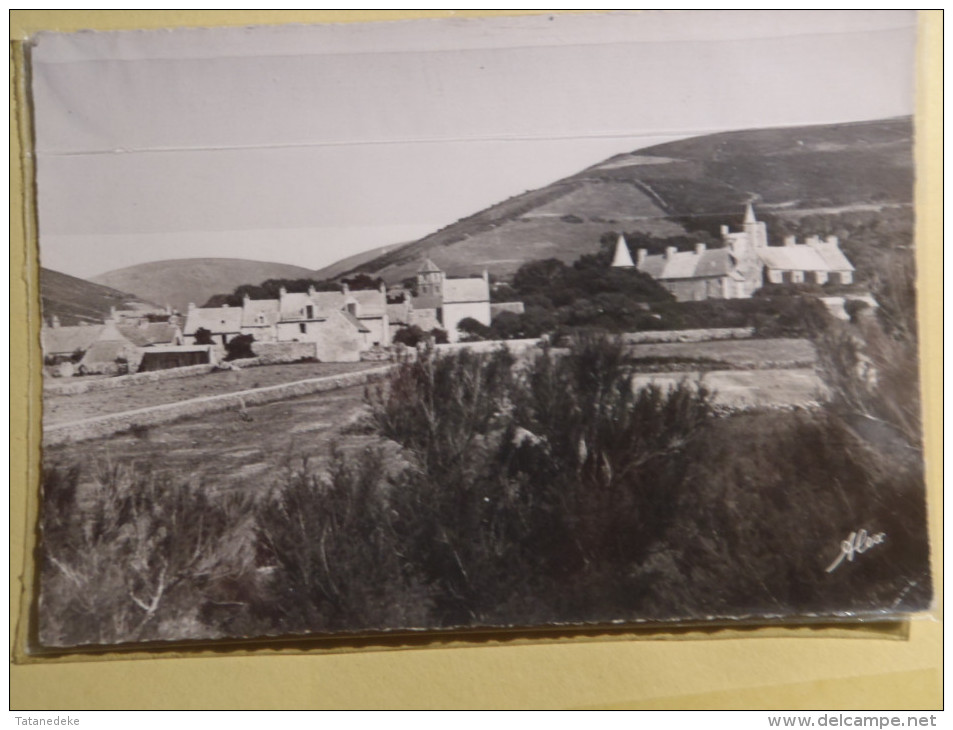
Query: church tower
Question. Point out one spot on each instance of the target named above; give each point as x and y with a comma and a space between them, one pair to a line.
429, 280
755, 231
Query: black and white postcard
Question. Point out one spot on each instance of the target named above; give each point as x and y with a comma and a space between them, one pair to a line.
515, 323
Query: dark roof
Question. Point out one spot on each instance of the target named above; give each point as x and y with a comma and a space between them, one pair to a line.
689, 265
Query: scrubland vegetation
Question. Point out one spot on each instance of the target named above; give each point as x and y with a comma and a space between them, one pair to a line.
502, 493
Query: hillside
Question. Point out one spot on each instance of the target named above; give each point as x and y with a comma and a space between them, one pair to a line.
351, 262
75, 300
180, 281
669, 189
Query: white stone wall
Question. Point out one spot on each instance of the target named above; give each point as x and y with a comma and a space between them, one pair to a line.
453, 313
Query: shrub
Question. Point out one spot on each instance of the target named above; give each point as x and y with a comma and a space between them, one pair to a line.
129, 554
332, 557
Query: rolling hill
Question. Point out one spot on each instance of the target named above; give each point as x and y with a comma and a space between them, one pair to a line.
180, 281
668, 189
75, 301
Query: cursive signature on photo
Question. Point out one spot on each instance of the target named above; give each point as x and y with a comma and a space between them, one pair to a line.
855, 544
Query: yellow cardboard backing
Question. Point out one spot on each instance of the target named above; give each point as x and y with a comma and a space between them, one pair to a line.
897, 667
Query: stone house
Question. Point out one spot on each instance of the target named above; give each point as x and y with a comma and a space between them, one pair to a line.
742, 266
225, 323
449, 301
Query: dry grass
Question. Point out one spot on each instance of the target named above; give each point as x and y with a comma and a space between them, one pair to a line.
730, 354
223, 448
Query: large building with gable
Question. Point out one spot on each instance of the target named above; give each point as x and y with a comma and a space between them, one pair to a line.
744, 264
446, 302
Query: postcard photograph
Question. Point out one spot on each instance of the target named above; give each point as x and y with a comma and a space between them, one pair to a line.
536, 322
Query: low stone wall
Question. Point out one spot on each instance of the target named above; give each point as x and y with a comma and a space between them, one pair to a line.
274, 353
705, 335
91, 385
514, 346
90, 428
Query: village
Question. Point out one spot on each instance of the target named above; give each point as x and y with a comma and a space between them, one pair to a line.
351, 325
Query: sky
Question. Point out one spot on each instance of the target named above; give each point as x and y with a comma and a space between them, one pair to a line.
307, 144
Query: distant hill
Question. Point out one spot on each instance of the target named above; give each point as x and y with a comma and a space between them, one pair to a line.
75, 300
669, 189
180, 281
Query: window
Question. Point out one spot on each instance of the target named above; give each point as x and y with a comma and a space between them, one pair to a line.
303, 328
309, 312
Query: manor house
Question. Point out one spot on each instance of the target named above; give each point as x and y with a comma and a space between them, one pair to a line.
744, 264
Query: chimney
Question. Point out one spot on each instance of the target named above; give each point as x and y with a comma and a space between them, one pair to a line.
224, 305
345, 288
724, 230
245, 300
112, 313
831, 240
310, 290
813, 240
383, 288
670, 252
641, 255
282, 292
191, 306
486, 277
699, 249
790, 240
56, 321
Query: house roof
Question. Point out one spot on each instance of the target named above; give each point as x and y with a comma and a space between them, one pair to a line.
68, 339
217, 320
252, 308
465, 290
152, 333
105, 351
833, 256
355, 321
800, 257
371, 302
690, 265
293, 306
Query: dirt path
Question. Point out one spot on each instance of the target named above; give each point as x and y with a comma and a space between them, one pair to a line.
58, 409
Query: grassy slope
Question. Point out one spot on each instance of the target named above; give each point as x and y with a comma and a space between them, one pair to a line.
715, 175
180, 281
76, 300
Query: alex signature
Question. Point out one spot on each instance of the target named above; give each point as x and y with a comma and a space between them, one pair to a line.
855, 544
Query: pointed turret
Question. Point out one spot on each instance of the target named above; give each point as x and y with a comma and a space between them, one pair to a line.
749, 214
622, 257
428, 267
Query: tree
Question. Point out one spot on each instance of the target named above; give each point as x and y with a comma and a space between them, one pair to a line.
409, 335
203, 336
239, 347
472, 329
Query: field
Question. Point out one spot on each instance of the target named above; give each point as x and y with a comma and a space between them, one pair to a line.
234, 452
473, 490
65, 408
222, 448
724, 354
